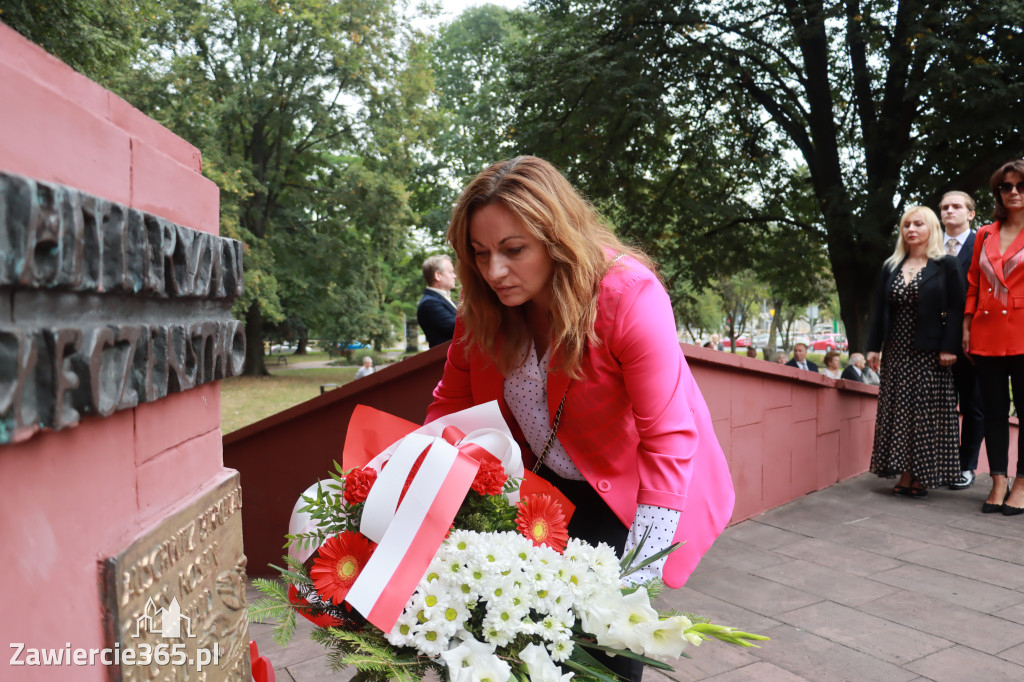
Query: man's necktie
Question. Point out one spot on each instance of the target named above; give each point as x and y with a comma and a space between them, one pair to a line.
952, 247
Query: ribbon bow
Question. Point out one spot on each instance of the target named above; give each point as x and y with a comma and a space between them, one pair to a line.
409, 528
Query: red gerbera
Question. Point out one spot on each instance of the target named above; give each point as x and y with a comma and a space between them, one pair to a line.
490, 478
358, 483
340, 562
541, 521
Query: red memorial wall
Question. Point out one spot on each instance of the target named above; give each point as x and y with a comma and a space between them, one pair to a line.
116, 509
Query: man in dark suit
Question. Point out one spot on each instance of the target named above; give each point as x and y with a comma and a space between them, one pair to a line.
436, 311
956, 210
854, 368
800, 358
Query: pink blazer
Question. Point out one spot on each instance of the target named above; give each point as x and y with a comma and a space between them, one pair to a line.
637, 427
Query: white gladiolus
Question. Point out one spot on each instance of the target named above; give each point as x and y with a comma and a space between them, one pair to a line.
634, 610
540, 666
474, 661
665, 638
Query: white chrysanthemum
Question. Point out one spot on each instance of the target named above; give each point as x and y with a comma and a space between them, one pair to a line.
624, 629
401, 634
551, 595
501, 625
540, 666
497, 633
455, 612
554, 625
578, 579
600, 558
500, 590
461, 542
665, 638
449, 568
432, 637
560, 649
427, 600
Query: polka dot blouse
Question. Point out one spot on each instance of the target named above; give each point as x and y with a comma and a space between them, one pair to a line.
525, 393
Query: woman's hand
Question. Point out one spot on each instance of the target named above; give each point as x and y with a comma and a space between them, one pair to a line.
947, 359
966, 342
872, 359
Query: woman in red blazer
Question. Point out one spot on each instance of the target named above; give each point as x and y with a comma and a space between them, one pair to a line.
573, 335
994, 330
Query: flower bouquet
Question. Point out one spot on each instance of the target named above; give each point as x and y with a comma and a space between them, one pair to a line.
441, 554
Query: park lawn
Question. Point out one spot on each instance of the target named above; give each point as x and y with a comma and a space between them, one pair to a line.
308, 356
244, 400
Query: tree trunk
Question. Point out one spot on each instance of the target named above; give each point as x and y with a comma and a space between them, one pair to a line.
254, 365
857, 257
412, 333
774, 330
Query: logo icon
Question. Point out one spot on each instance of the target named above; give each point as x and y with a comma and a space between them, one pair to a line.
165, 622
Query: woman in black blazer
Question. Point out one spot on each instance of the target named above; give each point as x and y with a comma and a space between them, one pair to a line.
919, 302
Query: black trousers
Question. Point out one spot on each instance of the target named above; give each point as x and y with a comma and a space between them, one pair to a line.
995, 373
972, 425
594, 522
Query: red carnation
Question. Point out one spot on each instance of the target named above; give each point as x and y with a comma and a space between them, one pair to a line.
490, 478
358, 483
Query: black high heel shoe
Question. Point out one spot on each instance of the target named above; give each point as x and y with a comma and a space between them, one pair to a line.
991, 508
1011, 511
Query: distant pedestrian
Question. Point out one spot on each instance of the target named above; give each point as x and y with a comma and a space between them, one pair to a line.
779, 357
800, 358
832, 366
716, 342
366, 368
436, 310
872, 367
855, 368
751, 352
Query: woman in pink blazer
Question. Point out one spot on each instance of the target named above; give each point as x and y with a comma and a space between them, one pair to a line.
993, 330
573, 335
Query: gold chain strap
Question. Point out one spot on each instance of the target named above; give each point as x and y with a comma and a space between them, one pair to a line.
551, 436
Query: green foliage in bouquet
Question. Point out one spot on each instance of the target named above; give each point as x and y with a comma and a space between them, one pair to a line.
488, 513
506, 595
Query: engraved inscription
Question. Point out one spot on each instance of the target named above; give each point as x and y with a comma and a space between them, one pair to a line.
106, 307
190, 566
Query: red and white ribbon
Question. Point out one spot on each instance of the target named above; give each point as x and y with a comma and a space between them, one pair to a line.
409, 529
410, 538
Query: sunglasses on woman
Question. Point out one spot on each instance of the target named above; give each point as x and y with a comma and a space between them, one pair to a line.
1006, 188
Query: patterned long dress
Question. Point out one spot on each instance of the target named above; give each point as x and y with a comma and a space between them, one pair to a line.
916, 426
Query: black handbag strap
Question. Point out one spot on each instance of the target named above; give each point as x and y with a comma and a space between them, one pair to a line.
551, 436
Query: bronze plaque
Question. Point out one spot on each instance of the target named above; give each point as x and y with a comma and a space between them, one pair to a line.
175, 599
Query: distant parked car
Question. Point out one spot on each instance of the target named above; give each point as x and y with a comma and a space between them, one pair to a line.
800, 339
829, 342
761, 340
741, 342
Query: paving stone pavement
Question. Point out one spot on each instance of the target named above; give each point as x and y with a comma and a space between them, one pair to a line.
851, 583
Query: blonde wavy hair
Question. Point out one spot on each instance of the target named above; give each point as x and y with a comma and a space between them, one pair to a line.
576, 240
935, 250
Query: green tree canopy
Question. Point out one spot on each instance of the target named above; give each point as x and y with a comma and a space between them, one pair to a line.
98, 38
306, 113
683, 119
